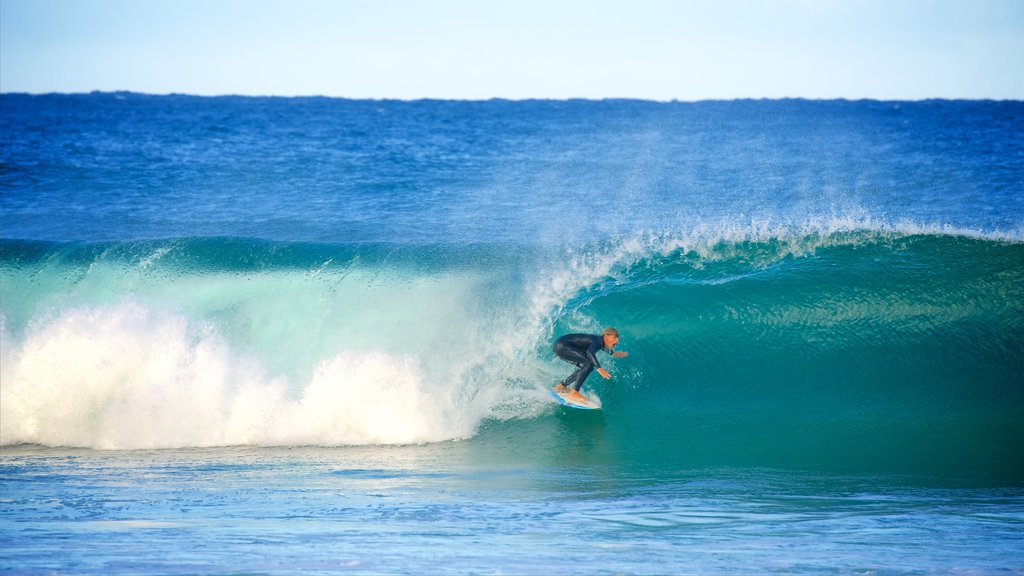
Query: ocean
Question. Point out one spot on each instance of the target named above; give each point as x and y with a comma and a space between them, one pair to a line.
313, 335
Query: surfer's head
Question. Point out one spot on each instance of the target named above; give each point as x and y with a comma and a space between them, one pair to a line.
611, 337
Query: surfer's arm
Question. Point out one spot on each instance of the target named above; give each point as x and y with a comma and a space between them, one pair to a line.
604, 373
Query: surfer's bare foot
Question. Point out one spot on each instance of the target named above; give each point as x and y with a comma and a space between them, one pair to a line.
560, 389
576, 394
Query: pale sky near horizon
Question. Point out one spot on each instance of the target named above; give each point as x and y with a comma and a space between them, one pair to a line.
478, 49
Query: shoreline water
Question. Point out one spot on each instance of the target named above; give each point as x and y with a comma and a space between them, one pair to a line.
413, 509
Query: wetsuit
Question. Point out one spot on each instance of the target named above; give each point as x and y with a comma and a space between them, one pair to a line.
580, 350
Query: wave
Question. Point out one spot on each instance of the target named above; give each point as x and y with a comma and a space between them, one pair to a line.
807, 338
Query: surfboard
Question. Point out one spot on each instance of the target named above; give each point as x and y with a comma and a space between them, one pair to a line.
565, 400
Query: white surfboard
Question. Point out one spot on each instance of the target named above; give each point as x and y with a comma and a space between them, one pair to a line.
566, 400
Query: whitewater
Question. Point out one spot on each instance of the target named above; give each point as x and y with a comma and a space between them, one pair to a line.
284, 335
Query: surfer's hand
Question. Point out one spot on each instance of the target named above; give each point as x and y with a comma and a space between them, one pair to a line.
604, 373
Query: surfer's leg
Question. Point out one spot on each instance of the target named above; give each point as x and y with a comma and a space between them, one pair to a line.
570, 378
577, 359
582, 374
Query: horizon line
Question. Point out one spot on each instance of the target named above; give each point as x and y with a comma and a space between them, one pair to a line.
506, 99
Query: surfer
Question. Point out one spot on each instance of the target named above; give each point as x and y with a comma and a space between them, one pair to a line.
580, 350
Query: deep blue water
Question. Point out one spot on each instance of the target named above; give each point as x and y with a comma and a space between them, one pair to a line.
278, 335
127, 166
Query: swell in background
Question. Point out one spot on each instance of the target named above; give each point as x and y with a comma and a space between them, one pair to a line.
116, 167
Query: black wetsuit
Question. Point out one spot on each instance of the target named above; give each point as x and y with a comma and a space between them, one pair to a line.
580, 350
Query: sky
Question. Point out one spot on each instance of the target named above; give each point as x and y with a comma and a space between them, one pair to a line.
478, 49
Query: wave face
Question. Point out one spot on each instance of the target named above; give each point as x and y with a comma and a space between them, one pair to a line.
846, 349
831, 347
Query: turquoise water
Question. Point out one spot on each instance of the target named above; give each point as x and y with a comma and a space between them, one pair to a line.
288, 335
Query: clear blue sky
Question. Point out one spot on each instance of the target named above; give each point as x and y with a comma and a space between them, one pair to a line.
475, 49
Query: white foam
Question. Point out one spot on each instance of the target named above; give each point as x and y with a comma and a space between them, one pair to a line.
126, 376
